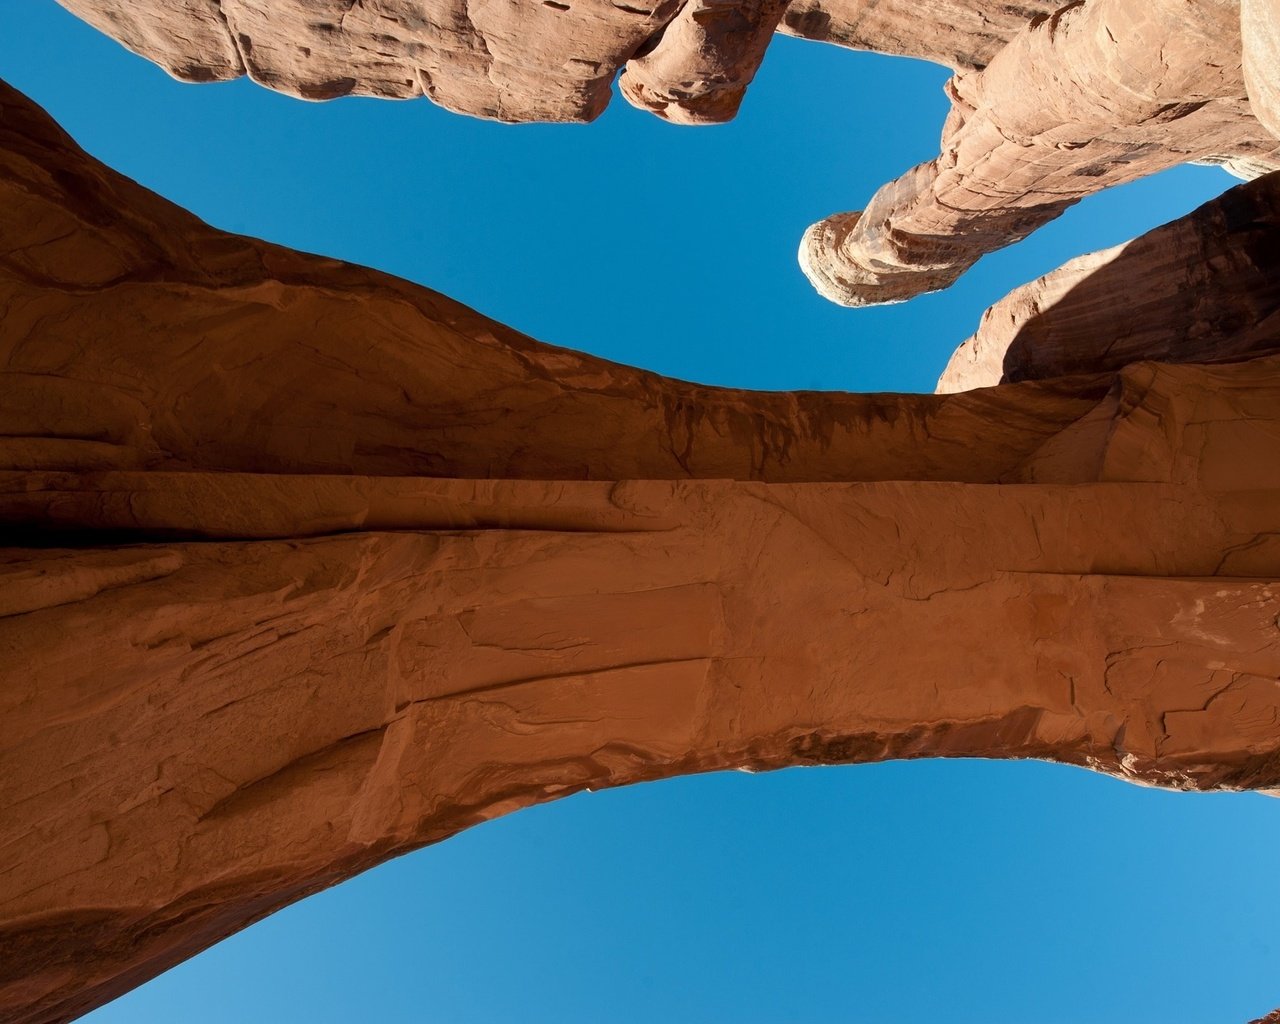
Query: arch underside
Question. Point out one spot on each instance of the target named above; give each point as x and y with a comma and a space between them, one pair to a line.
310, 567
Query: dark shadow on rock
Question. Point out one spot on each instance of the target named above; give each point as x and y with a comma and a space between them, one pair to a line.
1203, 288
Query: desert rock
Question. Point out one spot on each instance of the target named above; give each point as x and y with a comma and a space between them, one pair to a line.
309, 567
1203, 288
1095, 95
543, 60
1050, 103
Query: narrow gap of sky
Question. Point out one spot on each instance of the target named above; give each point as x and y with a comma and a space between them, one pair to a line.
891, 894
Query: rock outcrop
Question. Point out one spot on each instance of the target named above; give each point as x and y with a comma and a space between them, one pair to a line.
1260, 29
519, 61
698, 70
309, 567
960, 34
1051, 103
1203, 288
1098, 94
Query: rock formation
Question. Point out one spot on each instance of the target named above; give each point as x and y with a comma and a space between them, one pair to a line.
1204, 288
960, 34
310, 567
1095, 95
520, 61
1051, 102
1260, 29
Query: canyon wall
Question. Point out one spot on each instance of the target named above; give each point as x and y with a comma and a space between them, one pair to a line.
308, 567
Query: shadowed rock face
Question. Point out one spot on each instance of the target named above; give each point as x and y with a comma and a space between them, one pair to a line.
310, 567
1205, 287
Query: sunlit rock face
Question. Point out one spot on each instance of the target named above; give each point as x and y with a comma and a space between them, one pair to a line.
309, 567
1260, 29
1095, 95
1050, 103
514, 60
537, 60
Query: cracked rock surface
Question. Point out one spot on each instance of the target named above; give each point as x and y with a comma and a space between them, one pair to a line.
309, 567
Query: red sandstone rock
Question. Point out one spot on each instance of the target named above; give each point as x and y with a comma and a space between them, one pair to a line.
513, 60
700, 68
311, 567
1206, 287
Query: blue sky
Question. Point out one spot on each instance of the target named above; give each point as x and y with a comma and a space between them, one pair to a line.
893, 894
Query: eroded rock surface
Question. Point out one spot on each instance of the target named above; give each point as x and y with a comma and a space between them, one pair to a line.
1051, 103
960, 34
310, 567
1205, 287
1260, 29
1098, 94
538, 60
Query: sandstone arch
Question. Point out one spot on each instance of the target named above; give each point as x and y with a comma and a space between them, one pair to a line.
309, 567
548, 61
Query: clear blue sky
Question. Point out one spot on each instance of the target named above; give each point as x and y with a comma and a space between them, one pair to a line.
910, 893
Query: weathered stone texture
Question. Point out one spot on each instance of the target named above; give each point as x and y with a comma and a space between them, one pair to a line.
698, 72
960, 34
1260, 29
1050, 104
539, 60
310, 567
1096, 95
512, 60
1203, 288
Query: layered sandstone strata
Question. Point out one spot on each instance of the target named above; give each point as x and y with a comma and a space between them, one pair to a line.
1203, 288
310, 567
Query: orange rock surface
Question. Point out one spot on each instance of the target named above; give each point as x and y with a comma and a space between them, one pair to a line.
309, 567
